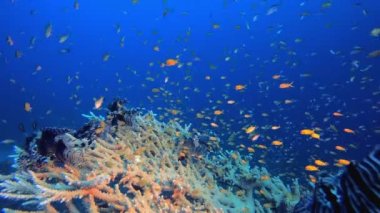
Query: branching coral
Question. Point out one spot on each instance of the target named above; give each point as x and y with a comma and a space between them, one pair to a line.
138, 167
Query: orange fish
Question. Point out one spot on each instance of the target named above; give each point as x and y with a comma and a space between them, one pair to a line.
240, 87
307, 132
340, 148
98, 103
350, 131
311, 168
218, 112
276, 143
312, 179
250, 149
286, 85
275, 77
343, 162
337, 114
27, 107
320, 163
171, 62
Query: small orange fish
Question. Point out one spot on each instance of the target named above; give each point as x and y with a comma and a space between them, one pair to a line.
286, 85
320, 163
340, 148
312, 179
311, 168
343, 162
250, 129
218, 112
27, 107
337, 114
307, 132
98, 103
275, 77
250, 149
275, 127
350, 131
276, 143
171, 62
240, 87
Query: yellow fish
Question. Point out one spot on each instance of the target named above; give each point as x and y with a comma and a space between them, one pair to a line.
315, 136
250, 129
307, 132
27, 107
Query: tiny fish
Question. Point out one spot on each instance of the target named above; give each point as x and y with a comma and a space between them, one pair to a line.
286, 85
48, 30
76, 5
98, 103
27, 107
171, 62
10, 41
240, 87
63, 38
8, 141
311, 168
250, 129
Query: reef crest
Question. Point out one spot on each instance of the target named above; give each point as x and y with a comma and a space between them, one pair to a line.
129, 161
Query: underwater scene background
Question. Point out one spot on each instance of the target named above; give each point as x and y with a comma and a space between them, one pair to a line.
292, 85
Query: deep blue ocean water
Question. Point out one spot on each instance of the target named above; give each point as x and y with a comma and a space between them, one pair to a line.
323, 50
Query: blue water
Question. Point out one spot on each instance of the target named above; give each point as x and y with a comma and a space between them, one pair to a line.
258, 46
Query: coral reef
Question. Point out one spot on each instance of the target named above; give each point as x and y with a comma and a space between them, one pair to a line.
130, 162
